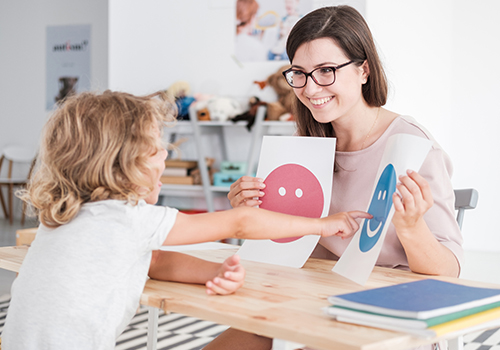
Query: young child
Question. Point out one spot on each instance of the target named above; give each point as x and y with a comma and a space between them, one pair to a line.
98, 173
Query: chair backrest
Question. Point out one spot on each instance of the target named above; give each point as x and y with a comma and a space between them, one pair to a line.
465, 199
16, 154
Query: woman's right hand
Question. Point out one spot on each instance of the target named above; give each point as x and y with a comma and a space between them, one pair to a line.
246, 191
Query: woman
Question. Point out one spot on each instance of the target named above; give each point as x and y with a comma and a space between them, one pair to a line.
341, 87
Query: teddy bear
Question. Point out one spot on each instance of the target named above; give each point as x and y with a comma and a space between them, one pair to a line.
281, 109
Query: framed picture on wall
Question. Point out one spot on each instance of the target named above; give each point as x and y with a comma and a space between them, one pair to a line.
263, 26
68, 62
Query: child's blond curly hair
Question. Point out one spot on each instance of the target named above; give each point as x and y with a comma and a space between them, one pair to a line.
95, 147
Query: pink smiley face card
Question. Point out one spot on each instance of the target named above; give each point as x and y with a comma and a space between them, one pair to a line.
298, 173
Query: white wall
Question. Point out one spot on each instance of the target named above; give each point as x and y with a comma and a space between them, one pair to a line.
22, 61
476, 115
154, 43
439, 56
414, 39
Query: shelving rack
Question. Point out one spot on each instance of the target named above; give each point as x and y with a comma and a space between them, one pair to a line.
198, 128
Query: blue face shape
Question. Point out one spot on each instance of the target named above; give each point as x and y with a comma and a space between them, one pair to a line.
380, 207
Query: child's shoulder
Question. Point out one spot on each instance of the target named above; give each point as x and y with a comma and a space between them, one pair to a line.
132, 211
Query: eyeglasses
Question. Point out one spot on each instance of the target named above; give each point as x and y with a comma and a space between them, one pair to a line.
323, 76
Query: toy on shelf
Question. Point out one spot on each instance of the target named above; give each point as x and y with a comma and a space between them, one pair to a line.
203, 114
223, 108
249, 115
281, 109
217, 108
180, 93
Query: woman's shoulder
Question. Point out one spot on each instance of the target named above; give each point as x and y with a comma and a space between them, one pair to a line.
409, 125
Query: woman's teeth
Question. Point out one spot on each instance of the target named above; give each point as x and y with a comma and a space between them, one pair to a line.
320, 101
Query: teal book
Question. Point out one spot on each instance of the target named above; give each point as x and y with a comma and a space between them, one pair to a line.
420, 300
478, 321
413, 323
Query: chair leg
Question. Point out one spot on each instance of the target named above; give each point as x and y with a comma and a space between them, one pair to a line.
11, 204
23, 214
4, 206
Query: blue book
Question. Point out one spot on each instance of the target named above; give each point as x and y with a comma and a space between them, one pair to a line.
420, 299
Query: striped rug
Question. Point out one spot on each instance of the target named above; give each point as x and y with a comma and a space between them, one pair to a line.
178, 332
175, 331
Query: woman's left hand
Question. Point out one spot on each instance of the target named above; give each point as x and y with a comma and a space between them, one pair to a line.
415, 200
229, 278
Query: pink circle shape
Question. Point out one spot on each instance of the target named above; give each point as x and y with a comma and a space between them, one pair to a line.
295, 179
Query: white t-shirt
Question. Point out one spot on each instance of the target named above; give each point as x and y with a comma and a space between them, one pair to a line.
80, 284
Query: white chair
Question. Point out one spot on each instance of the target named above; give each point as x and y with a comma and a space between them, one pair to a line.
23, 159
465, 199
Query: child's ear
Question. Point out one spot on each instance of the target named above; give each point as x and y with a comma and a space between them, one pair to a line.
365, 71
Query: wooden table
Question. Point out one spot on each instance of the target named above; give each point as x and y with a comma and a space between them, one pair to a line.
278, 302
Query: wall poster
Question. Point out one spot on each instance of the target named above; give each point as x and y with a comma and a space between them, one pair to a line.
262, 27
68, 62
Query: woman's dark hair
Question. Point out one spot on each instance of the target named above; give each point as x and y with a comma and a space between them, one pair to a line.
347, 28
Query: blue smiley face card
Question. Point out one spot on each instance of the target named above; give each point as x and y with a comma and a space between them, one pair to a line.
402, 152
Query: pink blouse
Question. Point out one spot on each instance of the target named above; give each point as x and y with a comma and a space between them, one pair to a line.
353, 183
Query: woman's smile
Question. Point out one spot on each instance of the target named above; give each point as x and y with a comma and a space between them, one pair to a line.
318, 102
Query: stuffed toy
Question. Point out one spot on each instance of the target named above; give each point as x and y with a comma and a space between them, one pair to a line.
221, 108
249, 115
281, 109
203, 114
200, 106
180, 93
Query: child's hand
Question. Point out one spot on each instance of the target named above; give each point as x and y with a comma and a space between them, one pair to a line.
415, 200
230, 277
343, 224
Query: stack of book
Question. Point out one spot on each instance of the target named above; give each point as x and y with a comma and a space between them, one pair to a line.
426, 308
179, 172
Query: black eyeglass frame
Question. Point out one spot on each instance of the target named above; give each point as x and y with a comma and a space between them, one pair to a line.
310, 74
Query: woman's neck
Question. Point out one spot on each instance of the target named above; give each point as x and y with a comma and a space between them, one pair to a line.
361, 129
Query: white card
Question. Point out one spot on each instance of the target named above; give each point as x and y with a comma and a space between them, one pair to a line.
402, 152
298, 173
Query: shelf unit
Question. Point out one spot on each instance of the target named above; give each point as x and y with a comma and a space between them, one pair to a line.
198, 128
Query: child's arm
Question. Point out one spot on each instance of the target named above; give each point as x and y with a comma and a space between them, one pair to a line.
254, 223
223, 278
